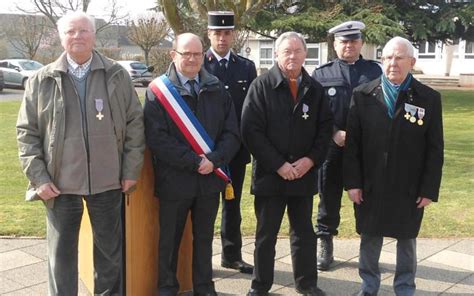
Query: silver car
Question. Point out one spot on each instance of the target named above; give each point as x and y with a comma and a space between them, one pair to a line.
138, 71
17, 71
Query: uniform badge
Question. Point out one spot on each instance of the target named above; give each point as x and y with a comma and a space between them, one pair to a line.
332, 91
99, 106
305, 112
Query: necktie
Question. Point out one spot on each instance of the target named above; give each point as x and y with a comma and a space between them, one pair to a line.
293, 88
222, 69
192, 89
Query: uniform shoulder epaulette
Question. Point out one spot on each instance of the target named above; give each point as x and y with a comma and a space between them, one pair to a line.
243, 58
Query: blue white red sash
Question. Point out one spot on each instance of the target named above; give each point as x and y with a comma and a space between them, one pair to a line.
185, 119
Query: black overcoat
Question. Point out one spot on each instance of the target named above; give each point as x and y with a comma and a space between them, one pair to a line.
394, 161
275, 131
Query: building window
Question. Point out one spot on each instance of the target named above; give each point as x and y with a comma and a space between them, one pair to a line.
469, 52
266, 54
427, 50
312, 58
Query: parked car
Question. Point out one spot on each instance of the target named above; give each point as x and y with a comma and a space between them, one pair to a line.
2, 82
138, 71
17, 71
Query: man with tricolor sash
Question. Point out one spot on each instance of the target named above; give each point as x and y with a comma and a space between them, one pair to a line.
191, 130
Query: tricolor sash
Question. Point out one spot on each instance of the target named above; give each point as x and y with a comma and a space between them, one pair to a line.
185, 119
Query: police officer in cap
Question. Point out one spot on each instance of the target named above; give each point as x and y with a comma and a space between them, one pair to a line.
338, 77
236, 73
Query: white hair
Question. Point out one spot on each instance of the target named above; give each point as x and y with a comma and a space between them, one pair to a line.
397, 40
64, 21
289, 35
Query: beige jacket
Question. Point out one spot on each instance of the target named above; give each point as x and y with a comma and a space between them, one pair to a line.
41, 122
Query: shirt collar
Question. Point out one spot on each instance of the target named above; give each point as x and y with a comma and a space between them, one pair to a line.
72, 64
218, 57
185, 79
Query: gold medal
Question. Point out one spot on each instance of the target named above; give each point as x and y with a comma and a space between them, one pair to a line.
412, 119
407, 116
420, 122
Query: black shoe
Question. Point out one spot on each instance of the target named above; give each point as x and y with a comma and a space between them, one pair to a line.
239, 265
254, 292
325, 252
313, 291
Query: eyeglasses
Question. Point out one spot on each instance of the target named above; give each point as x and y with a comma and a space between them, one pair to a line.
188, 54
77, 32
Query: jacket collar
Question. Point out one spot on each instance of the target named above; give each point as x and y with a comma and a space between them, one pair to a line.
98, 62
210, 56
277, 78
205, 79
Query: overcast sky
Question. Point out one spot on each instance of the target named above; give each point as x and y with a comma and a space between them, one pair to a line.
97, 7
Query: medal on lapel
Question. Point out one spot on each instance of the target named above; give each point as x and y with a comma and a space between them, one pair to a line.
305, 112
410, 112
421, 114
99, 106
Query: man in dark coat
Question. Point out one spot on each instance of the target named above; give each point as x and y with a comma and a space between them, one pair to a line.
184, 179
286, 125
392, 164
338, 77
236, 73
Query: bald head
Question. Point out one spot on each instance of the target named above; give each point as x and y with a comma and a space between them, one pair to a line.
187, 54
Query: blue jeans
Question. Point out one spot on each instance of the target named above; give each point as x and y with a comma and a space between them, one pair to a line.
64, 221
405, 271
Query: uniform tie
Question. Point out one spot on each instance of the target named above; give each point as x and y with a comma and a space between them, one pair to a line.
222, 68
294, 88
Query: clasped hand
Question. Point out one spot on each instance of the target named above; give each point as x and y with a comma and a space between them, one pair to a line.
295, 170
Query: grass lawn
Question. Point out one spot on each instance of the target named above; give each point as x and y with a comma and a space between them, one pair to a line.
452, 216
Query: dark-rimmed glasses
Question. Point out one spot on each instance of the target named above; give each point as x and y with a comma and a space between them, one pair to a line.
188, 54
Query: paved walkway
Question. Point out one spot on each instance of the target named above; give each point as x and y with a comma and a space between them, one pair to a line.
445, 267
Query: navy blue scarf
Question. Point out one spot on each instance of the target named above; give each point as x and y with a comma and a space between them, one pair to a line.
391, 91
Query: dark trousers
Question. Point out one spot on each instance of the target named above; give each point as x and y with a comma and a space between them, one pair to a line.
330, 192
64, 222
231, 235
173, 214
405, 270
269, 211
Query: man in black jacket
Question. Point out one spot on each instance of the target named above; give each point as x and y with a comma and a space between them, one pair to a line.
339, 78
184, 179
236, 73
286, 125
392, 164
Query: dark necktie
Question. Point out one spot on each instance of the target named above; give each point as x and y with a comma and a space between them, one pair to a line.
222, 69
192, 89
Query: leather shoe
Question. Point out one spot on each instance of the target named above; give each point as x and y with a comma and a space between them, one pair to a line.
313, 291
254, 292
239, 265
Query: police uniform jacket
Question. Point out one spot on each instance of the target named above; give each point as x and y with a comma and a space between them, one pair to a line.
394, 161
339, 79
175, 162
238, 76
276, 131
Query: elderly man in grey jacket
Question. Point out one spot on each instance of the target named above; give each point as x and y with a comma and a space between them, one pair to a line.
81, 138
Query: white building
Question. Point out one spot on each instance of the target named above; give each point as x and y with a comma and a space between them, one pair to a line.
432, 58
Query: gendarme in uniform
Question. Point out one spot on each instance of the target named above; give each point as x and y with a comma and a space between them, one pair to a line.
236, 73
338, 78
